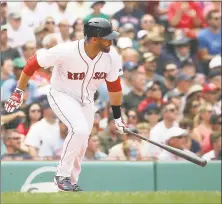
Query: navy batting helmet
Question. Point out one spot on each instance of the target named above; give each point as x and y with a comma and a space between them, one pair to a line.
100, 27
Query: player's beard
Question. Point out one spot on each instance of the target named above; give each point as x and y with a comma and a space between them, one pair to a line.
103, 48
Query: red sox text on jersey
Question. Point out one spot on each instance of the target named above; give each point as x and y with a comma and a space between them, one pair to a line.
81, 75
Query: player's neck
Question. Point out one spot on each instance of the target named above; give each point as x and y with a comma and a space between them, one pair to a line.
90, 50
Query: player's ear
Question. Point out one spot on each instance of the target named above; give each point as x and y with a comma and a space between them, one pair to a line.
94, 40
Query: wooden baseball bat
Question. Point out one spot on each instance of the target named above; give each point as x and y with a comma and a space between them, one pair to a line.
188, 156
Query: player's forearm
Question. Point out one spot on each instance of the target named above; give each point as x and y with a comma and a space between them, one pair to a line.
115, 98
23, 81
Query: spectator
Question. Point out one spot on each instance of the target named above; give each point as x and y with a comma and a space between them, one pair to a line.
170, 75
3, 17
33, 114
12, 140
93, 152
153, 95
136, 95
149, 23
149, 66
191, 144
213, 5
202, 127
10, 84
143, 129
124, 43
6, 51
62, 11
50, 41
63, 35
162, 11
33, 14
215, 63
130, 55
191, 109
177, 99
44, 143
183, 84
78, 25
18, 32
188, 68
9, 118
215, 141
133, 118
152, 115
96, 7
158, 132
215, 78
186, 15
183, 50
175, 137
131, 148
6, 70
129, 14
40, 33
215, 121
80, 8
154, 43
195, 93
49, 25
210, 37
109, 137
29, 49
128, 70
210, 93
78, 35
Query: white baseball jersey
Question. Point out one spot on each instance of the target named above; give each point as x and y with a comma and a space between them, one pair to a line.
75, 73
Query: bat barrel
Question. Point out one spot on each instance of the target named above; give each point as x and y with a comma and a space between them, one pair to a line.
184, 154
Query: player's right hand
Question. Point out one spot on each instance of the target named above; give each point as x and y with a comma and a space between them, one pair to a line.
15, 100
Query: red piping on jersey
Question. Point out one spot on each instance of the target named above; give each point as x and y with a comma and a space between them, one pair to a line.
114, 86
92, 76
31, 66
86, 73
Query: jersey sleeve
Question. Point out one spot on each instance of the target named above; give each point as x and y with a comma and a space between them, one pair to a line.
116, 66
50, 57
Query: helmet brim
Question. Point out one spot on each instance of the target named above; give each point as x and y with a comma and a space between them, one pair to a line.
111, 36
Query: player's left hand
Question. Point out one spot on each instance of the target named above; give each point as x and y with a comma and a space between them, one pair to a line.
120, 125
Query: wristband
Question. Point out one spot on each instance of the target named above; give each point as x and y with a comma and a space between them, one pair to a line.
116, 112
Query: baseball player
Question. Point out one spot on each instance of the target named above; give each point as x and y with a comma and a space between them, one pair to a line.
79, 67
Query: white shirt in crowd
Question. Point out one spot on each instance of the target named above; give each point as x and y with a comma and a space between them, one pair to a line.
67, 15
17, 38
209, 155
80, 9
45, 137
158, 134
34, 18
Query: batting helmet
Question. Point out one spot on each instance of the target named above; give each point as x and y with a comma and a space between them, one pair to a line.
100, 27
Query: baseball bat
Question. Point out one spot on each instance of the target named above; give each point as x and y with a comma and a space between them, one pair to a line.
190, 157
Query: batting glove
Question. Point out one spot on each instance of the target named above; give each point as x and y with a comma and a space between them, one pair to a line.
15, 101
120, 125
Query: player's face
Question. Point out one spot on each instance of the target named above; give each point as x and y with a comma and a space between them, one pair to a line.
104, 45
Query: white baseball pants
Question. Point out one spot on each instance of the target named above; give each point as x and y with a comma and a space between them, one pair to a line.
79, 120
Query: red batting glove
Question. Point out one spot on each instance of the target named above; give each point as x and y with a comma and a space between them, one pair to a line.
120, 125
15, 101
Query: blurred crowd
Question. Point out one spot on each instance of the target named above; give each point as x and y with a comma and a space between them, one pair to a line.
171, 59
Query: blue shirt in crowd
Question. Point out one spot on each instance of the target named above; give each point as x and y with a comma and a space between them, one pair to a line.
210, 41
